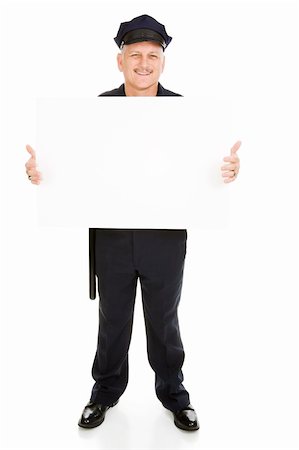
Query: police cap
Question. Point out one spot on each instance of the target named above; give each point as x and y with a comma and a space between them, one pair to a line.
142, 28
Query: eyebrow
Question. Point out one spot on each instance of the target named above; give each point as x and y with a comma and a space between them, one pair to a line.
153, 52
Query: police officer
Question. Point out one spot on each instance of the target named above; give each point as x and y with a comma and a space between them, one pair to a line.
119, 257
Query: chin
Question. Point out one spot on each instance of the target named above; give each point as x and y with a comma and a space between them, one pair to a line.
144, 84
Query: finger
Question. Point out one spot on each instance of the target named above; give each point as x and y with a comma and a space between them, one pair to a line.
30, 150
30, 164
228, 167
235, 147
232, 158
231, 173
229, 179
35, 180
33, 177
34, 174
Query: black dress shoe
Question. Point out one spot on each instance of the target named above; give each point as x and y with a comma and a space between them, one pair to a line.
186, 419
94, 414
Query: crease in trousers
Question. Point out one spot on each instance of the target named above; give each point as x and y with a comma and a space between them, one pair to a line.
155, 257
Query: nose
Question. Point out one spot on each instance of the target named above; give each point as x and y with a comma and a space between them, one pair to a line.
144, 62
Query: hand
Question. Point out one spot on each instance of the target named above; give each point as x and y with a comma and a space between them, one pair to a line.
230, 171
32, 172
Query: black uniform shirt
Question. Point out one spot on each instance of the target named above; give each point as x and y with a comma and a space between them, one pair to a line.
120, 92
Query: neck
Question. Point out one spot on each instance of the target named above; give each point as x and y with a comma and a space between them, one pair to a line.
151, 91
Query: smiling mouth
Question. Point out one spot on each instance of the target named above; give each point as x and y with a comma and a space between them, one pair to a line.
142, 74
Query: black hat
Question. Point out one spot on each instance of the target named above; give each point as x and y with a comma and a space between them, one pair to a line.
142, 28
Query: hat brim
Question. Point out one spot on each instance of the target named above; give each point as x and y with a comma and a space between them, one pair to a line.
140, 35
133, 41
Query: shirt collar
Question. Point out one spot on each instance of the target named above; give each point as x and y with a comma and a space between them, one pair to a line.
159, 93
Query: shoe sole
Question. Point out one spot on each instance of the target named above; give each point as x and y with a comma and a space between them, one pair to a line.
96, 424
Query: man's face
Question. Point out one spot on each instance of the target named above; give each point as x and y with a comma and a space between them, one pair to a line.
142, 64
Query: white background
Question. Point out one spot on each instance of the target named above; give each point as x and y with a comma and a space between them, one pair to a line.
239, 309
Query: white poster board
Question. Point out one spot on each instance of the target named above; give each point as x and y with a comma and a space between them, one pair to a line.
133, 162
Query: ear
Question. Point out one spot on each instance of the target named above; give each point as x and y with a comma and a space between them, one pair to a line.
120, 61
163, 64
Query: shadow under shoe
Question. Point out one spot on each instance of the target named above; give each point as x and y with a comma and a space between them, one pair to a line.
94, 414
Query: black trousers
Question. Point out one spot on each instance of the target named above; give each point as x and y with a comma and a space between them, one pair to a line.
157, 258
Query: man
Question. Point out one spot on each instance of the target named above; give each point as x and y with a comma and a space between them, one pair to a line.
120, 256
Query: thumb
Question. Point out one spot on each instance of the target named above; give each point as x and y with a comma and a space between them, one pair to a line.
30, 150
235, 147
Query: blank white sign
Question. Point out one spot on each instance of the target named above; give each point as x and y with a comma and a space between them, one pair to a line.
133, 162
